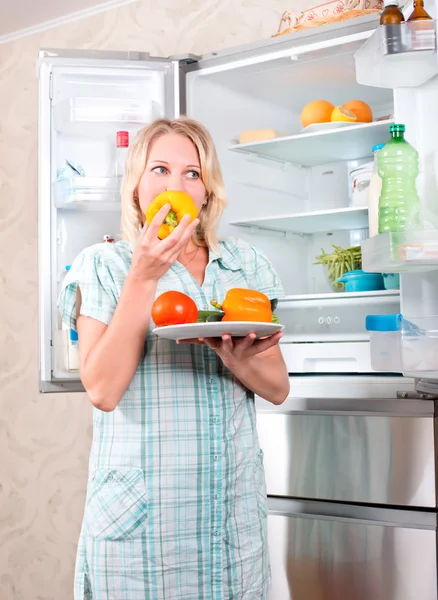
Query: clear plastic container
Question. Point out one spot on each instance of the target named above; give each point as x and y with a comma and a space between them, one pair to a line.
385, 342
400, 55
361, 178
420, 346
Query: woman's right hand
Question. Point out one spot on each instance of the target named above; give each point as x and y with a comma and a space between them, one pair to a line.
153, 257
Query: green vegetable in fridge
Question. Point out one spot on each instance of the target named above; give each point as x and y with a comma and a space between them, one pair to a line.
339, 262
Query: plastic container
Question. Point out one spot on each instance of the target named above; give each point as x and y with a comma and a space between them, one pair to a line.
399, 204
374, 189
420, 346
122, 147
359, 281
361, 178
73, 351
391, 281
385, 342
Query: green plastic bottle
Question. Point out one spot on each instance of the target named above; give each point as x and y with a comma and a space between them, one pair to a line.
399, 204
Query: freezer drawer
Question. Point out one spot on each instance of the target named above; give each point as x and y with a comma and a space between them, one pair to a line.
323, 551
378, 451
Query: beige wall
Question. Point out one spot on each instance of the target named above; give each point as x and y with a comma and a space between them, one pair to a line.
44, 439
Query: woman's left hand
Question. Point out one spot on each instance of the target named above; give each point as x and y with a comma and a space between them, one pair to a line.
236, 350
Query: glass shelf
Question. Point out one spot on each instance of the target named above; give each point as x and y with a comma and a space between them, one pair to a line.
398, 56
87, 193
401, 252
352, 142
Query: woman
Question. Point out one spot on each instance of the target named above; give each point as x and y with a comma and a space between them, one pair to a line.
175, 504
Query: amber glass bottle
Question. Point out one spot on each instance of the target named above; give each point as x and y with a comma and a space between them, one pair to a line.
391, 15
419, 13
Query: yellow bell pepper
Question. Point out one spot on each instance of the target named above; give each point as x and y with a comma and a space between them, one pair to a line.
245, 305
181, 203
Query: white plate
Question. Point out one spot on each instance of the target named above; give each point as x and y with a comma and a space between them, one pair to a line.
327, 126
233, 328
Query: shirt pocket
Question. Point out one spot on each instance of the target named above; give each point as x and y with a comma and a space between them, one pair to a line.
260, 483
116, 507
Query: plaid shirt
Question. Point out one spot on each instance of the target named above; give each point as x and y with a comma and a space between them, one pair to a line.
176, 500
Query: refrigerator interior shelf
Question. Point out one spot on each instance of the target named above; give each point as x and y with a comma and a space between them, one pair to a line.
401, 252
352, 142
339, 219
376, 296
87, 193
88, 116
398, 56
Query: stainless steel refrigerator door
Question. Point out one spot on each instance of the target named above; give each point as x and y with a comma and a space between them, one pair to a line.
323, 551
378, 451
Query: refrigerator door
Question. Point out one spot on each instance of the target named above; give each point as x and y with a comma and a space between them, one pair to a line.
412, 73
376, 450
85, 99
325, 551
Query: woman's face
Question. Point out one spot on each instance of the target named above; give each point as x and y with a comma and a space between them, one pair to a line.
172, 164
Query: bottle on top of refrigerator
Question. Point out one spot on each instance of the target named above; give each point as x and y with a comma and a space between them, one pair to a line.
399, 204
391, 15
122, 144
419, 13
374, 190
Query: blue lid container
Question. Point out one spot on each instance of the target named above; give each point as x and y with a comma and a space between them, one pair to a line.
359, 281
73, 335
377, 147
383, 322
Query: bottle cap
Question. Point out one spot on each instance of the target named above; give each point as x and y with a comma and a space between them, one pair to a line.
398, 127
122, 139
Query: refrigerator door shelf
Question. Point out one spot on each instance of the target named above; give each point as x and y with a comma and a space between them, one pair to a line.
420, 347
87, 193
91, 116
400, 252
397, 56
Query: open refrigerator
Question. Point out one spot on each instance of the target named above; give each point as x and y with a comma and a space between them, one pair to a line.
350, 456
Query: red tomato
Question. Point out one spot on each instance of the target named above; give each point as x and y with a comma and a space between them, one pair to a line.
174, 308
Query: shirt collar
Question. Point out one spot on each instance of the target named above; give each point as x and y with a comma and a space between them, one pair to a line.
226, 257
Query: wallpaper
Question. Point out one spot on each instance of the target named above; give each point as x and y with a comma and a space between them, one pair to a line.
45, 439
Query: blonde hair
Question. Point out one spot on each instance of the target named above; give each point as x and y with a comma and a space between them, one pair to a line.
211, 174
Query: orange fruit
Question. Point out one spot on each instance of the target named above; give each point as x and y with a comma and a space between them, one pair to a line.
318, 111
363, 112
342, 114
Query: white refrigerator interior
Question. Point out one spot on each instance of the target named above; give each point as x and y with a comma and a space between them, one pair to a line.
290, 196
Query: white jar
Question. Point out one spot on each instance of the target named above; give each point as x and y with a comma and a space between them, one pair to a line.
360, 179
